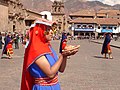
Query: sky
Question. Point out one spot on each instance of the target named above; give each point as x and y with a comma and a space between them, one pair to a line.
109, 2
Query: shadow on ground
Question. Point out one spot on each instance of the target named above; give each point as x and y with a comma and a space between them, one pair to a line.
99, 57
5, 58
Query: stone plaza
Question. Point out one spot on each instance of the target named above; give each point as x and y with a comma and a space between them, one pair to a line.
87, 70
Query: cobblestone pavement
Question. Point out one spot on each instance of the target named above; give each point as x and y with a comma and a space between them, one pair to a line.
87, 70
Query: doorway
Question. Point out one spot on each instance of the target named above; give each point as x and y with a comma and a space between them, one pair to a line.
13, 28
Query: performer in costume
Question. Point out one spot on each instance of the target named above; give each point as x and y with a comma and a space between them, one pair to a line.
41, 63
64, 46
8, 49
106, 46
63, 42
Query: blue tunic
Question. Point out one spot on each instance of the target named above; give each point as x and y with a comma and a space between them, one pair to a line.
36, 72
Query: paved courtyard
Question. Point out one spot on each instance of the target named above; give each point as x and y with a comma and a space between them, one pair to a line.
87, 70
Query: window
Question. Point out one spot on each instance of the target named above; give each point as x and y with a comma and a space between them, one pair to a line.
59, 9
115, 28
98, 27
84, 26
104, 27
90, 26
55, 9
78, 26
109, 27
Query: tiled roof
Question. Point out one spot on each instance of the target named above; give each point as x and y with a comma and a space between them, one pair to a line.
83, 13
118, 21
83, 20
109, 12
114, 17
104, 21
35, 12
107, 21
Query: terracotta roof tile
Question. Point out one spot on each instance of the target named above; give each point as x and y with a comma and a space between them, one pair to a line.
109, 12
118, 21
84, 13
83, 20
107, 21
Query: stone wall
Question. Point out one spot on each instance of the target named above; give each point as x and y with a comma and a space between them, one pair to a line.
3, 18
16, 16
58, 15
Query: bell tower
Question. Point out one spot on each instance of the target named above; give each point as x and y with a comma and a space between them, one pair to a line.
58, 15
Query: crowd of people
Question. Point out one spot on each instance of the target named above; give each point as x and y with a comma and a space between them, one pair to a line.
10, 41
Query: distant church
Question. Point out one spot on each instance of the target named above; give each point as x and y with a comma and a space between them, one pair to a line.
58, 15
14, 17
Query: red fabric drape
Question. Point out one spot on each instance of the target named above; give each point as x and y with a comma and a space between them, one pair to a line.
38, 45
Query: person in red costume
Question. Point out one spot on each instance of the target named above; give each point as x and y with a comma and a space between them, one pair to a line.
41, 63
8, 49
63, 42
106, 49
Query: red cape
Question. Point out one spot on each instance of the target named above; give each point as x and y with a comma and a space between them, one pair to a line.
37, 46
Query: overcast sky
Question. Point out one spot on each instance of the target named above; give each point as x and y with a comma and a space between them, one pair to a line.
109, 2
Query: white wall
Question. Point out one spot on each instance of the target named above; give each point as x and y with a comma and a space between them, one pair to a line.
114, 30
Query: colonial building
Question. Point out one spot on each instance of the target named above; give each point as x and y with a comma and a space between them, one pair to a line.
31, 16
83, 14
16, 16
83, 26
83, 23
3, 15
108, 14
107, 25
12, 16
87, 22
58, 15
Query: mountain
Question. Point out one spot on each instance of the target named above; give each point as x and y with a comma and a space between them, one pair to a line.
70, 5
117, 6
73, 6
37, 5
